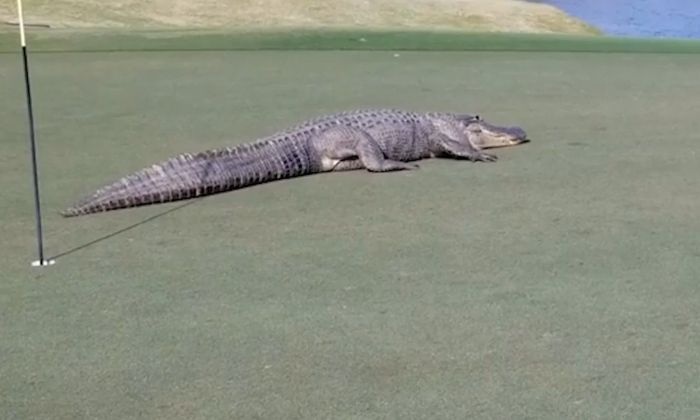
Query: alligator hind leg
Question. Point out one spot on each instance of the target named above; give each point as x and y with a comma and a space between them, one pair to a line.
348, 165
341, 143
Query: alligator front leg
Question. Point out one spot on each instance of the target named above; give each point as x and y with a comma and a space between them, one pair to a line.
451, 139
341, 143
464, 151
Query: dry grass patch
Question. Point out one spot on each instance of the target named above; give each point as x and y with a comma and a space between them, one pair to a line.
471, 15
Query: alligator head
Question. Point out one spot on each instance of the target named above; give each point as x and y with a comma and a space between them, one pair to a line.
487, 136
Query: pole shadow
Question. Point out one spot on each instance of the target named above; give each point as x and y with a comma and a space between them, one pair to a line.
121, 231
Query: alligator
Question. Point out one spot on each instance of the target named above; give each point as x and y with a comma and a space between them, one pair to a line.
378, 140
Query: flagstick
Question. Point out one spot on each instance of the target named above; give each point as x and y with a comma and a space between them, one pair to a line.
35, 173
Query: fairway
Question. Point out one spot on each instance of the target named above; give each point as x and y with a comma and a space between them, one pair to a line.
559, 282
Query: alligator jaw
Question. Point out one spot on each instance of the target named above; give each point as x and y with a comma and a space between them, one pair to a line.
492, 136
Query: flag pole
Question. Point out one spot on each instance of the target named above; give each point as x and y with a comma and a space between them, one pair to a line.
32, 142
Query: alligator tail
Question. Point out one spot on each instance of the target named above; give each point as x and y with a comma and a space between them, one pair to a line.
190, 176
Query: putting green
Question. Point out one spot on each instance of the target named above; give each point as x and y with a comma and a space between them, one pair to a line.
559, 282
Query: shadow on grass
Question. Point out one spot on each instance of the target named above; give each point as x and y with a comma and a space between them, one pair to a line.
123, 230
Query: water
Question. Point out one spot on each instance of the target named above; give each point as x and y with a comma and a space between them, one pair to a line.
645, 18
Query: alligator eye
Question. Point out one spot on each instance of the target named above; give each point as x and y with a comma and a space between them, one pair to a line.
477, 117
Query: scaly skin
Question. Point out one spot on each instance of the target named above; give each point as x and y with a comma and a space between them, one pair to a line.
378, 140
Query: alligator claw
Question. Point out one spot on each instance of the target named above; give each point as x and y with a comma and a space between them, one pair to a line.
485, 157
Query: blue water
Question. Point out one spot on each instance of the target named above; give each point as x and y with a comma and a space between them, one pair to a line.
640, 18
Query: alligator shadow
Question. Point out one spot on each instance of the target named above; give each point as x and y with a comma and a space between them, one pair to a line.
123, 230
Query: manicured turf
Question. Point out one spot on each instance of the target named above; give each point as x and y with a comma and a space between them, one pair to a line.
559, 282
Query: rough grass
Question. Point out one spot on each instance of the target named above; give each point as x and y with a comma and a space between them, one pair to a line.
471, 15
229, 39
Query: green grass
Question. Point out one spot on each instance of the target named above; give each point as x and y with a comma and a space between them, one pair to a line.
559, 282
41, 40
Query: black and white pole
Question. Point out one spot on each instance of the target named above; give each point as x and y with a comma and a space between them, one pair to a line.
32, 143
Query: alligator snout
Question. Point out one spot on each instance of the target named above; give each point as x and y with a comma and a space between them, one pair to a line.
518, 134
